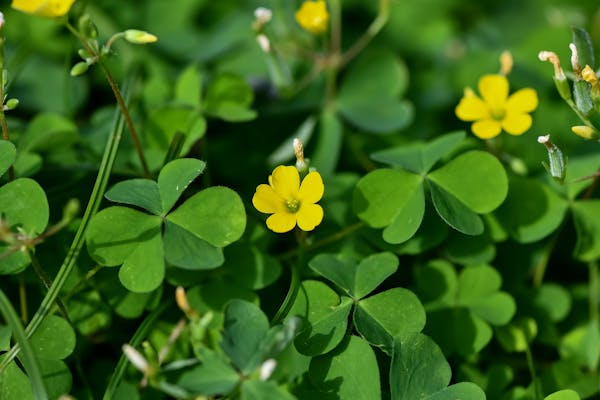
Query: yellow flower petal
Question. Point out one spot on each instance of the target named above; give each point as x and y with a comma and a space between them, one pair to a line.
494, 90
522, 101
44, 8
309, 216
471, 108
516, 123
313, 16
281, 222
285, 180
486, 128
311, 189
266, 200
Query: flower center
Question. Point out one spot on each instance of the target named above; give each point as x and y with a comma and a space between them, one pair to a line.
498, 114
292, 205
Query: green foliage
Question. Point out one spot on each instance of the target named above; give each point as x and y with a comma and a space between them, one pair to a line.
445, 266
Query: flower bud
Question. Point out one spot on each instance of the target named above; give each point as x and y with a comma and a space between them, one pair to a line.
11, 104
139, 37
79, 69
560, 80
585, 132
71, 209
557, 166
506, 62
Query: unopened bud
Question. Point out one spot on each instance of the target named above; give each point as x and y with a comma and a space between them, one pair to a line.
267, 368
506, 62
263, 15
139, 37
560, 80
575, 60
264, 43
79, 69
136, 358
1, 20
11, 104
556, 166
585, 132
71, 209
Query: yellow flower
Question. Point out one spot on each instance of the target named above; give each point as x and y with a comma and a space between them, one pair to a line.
496, 110
44, 8
313, 16
289, 201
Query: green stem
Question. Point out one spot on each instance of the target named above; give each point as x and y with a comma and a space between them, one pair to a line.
120, 101
45, 307
540, 269
23, 299
289, 298
28, 357
372, 31
135, 341
37, 267
531, 367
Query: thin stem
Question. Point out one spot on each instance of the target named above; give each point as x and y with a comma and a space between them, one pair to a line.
540, 269
5, 136
37, 267
531, 367
290, 297
336, 26
23, 299
117, 93
45, 307
375, 27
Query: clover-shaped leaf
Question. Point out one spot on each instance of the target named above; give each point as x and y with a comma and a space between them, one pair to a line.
373, 104
326, 316
189, 237
419, 371
23, 207
472, 183
462, 306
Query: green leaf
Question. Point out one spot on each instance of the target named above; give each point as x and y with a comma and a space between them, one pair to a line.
142, 193
393, 199
263, 390
48, 132
554, 300
437, 282
54, 339
566, 394
582, 344
531, 211
454, 212
372, 104
476, 178
420, 157
188, 88
250, 267
582, 93
213, 377
580, 167
395, 314
175, 177
215, 214
115, 232
228, 97
164, 122
329, 144
586, 215
326, 317
585, 50
23, 203
356, 280
516, 336
126, 304
144, 269
14, 384
8, 155
185, 250
57, 377
419, 371
458, 330
351, 371
468, 250
243, 332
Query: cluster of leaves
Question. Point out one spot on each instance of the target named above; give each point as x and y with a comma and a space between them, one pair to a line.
443, 269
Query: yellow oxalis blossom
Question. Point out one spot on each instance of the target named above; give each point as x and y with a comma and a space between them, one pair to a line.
496, 110
313, 16
289, 201
44, 8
